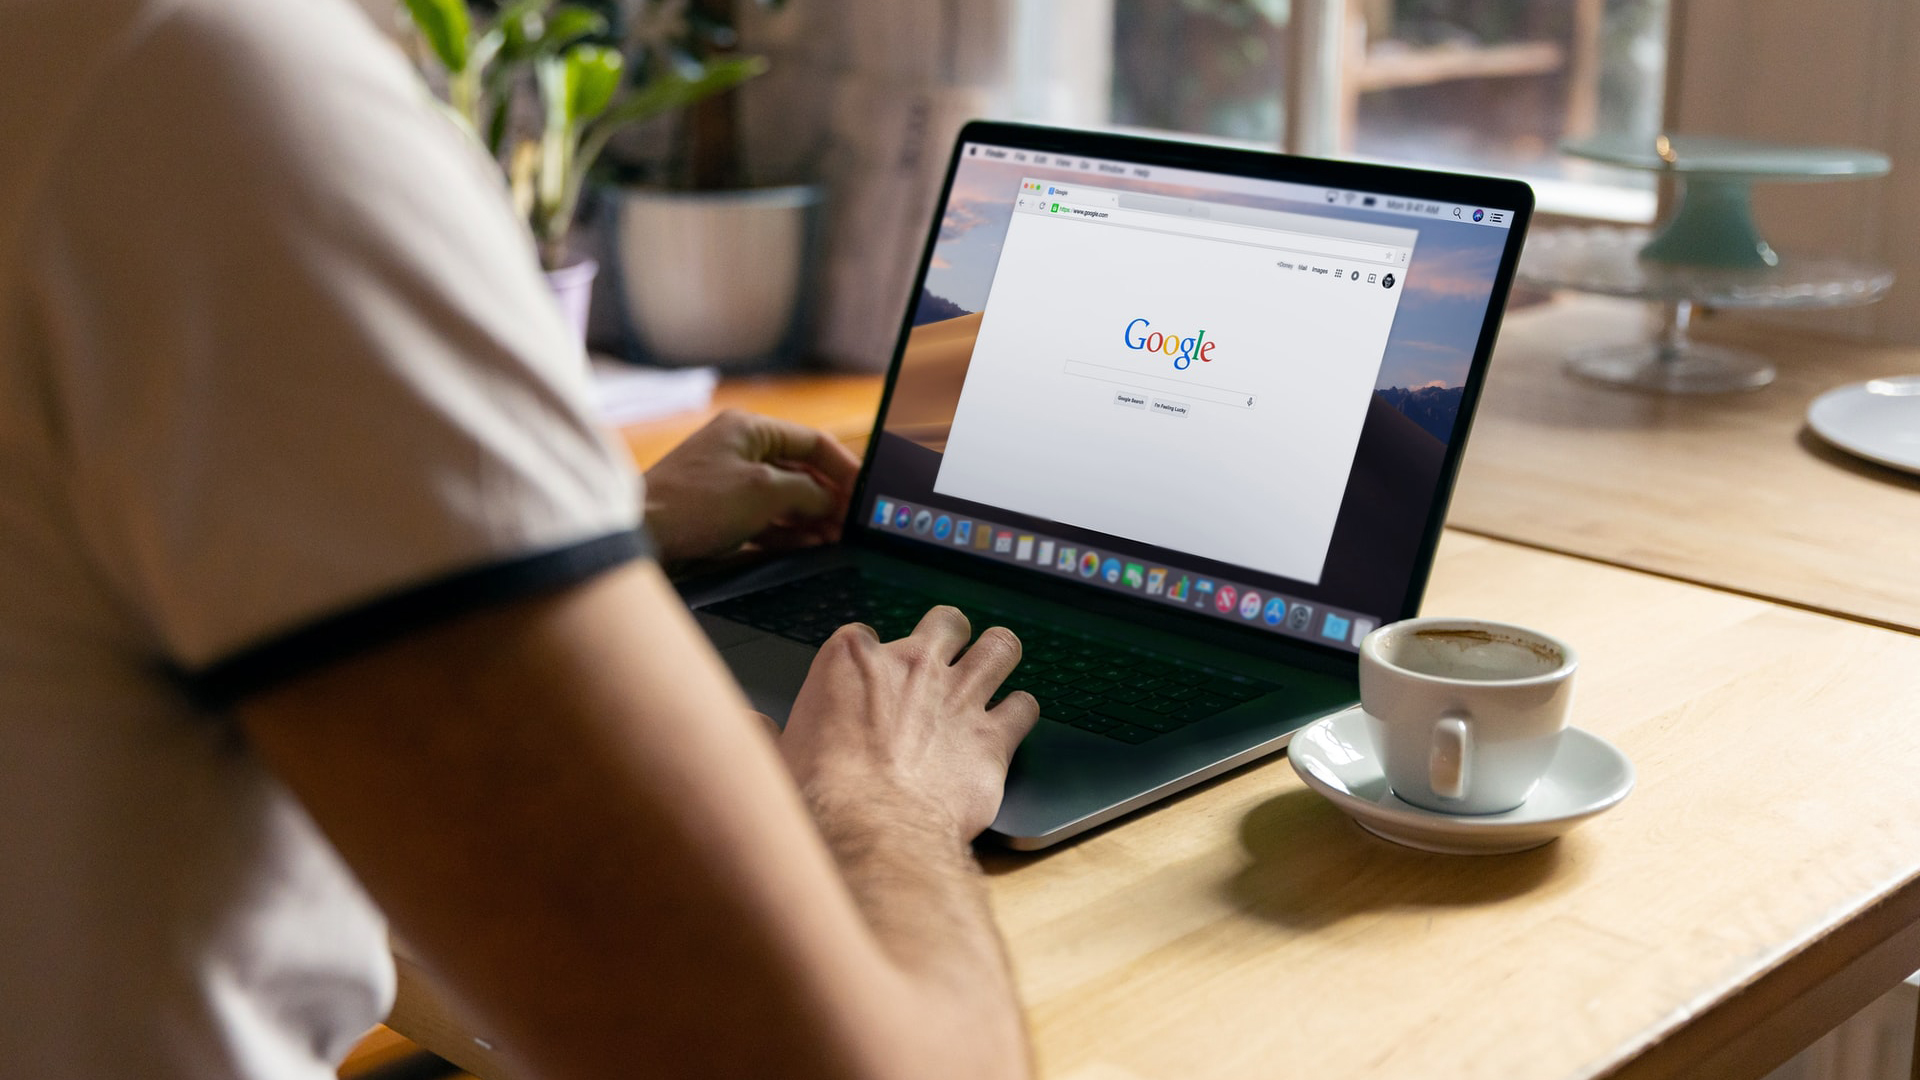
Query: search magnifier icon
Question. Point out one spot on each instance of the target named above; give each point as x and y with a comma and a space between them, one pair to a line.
1456, 212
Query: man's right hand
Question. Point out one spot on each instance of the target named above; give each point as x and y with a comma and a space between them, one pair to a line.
909, 720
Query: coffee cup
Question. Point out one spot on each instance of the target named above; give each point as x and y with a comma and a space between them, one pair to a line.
1466, 714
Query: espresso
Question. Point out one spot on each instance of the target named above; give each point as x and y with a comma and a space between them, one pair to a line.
1475, 654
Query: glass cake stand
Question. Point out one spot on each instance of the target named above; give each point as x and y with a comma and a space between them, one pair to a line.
1710, 252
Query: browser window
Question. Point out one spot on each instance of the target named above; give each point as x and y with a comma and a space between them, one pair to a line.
1146, 364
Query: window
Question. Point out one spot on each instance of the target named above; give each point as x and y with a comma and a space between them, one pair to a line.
1479, 85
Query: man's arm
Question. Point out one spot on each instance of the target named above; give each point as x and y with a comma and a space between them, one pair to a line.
565, 808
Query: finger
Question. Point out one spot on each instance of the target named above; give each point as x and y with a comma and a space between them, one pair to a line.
991, 659
792, 493
1013, 718
842, 497
944, 631
783, 440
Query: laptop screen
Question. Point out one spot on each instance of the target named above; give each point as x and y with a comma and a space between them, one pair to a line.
1224, 393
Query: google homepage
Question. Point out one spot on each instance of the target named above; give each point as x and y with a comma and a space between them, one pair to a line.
1183, 379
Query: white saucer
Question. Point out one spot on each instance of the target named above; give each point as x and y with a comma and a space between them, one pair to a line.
1334, 756
1878, 419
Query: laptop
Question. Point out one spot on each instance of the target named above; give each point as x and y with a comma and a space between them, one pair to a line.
1184, 418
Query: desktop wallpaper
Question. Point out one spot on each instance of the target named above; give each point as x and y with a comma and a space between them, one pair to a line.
1403, 441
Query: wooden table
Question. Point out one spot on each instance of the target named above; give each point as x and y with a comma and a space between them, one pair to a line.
1761, 885
1729, 491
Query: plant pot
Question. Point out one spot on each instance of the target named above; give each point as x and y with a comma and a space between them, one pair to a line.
717, 277
572, 287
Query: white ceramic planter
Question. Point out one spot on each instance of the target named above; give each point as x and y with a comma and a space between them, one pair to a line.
572, 287
716, 277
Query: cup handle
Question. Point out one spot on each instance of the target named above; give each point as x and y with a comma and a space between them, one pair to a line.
1447, 758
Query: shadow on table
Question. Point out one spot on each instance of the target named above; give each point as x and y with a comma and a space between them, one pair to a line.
1840, 459
1312, 867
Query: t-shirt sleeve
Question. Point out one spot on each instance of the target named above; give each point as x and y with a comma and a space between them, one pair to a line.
310, 389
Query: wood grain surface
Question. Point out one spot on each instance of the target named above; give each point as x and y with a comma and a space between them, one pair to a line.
1757, 887
1730, 491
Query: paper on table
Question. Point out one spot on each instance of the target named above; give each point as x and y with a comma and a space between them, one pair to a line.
624, 394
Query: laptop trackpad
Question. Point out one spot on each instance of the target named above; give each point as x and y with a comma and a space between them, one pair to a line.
770, 670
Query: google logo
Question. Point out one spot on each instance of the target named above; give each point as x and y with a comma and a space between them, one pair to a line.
1184, 350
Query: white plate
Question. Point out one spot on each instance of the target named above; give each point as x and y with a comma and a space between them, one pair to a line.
1878, 419
1335, 757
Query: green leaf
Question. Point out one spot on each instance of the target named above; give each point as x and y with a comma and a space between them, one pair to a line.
570, 24
520, 26
593, 74
661, 94
446, 24
673, 90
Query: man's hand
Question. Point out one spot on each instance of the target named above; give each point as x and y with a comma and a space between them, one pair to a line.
748, 479
906, 723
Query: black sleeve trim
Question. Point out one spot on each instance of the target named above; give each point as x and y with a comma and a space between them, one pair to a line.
389, 618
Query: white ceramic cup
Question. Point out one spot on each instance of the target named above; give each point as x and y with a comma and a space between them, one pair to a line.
1466, 714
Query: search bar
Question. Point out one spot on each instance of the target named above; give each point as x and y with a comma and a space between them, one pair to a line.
1180, 388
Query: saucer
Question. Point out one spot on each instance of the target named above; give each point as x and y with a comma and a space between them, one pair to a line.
1878, 420
1335, 757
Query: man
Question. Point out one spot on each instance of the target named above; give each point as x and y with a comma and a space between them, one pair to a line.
316, 578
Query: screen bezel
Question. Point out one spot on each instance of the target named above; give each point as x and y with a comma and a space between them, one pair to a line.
1511, 195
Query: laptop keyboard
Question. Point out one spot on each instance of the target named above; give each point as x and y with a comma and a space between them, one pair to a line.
1103, 687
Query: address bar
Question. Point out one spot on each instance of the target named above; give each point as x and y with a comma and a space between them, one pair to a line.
1303, 243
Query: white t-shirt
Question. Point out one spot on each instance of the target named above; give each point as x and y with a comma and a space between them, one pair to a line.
279, 380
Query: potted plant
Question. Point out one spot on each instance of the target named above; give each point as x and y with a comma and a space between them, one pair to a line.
712, 268
557, 55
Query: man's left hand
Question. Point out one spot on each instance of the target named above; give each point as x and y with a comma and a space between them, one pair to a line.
746, 478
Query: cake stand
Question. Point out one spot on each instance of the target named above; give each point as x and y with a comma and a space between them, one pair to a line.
1710, 252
